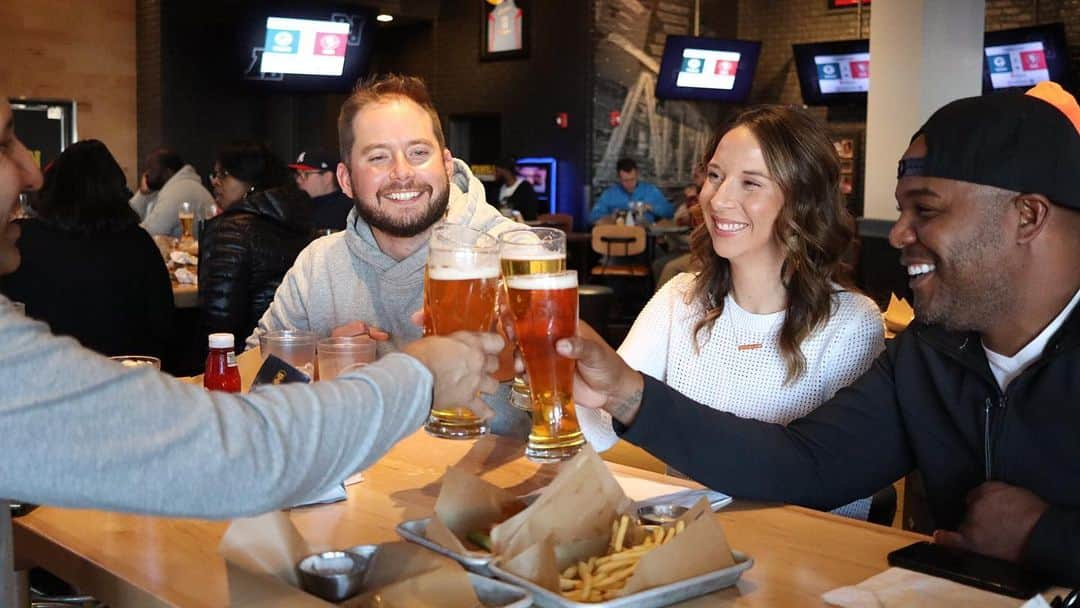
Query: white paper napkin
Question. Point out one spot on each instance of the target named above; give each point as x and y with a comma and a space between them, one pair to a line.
186, 277
183, 258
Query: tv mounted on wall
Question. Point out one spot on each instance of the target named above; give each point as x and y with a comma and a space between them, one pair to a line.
833, 73
709, 69
306, 47
1023, 57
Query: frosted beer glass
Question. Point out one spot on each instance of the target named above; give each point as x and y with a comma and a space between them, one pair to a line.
545, 309
460, 288
530, 251
187, 221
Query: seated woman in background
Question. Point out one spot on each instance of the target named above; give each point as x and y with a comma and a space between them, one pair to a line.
89, 270
769, 328
245, 251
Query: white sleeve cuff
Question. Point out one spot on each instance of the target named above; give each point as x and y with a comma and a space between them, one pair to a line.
597, 428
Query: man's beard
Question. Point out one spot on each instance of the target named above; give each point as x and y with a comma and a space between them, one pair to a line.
977, 291
379, 219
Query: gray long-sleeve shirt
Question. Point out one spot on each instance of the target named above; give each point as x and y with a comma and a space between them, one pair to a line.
79, 430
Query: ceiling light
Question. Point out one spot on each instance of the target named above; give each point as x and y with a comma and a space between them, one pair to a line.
384, 18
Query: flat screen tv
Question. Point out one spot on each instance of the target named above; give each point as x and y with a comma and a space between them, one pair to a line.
542, 175
708, 69
833, 73
306, 47
1023, 57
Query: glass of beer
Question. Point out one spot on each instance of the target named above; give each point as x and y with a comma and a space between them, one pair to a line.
530, 251
545, 309
187, 221
461, 285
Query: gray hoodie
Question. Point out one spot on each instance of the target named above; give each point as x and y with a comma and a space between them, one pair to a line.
345, 277
160, 210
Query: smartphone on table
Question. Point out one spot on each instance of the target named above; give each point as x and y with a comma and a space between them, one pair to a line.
967, 568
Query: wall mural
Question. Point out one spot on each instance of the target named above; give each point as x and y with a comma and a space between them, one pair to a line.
666, 138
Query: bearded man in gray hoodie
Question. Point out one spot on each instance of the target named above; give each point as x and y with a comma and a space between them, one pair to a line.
369, 278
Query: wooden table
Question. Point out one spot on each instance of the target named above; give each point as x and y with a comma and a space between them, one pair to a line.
129, 560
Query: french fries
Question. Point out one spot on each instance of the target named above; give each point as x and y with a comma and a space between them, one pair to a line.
603, 577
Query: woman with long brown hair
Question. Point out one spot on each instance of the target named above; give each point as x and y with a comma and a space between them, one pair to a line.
769, 328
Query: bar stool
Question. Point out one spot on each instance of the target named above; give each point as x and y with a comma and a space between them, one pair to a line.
594, 304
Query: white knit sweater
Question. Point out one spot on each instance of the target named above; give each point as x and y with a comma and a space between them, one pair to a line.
747, 381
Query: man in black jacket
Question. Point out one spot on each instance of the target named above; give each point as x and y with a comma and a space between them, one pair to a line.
515, 192
316, 174
981, 393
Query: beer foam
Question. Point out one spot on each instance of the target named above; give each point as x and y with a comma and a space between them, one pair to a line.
565, 280
445, 273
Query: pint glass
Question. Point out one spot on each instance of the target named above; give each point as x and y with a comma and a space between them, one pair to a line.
460, 287
187, 220
530, 251
545, 309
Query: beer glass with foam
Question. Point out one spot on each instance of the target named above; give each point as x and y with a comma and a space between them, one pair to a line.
461, 284
530, 251
186, 215
545, 309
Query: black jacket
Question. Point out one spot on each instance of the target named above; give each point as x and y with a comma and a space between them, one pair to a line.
243, 255
109, 290
329, 211
930, 403
524, 200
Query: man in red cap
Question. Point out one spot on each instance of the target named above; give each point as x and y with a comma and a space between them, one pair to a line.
981, 393
316, 174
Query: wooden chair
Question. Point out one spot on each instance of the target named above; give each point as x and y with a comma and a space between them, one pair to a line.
562, 221
619, 245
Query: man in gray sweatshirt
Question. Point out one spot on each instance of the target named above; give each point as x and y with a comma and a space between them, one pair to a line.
165, 183
79, 430
369, 278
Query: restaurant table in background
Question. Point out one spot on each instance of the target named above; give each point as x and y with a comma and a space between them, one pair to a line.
185, 296
131, 560
661, 229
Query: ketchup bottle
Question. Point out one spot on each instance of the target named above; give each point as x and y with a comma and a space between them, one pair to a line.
221, 373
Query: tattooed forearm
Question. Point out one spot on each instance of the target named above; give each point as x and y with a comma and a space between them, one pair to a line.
626, 409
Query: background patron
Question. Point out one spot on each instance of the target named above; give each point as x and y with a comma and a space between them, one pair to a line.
630, 189
316, 174
165, 183
90, 271
245, 251
515, 193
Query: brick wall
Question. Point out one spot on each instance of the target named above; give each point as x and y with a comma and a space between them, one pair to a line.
781, 23
1005, 14
84, 51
